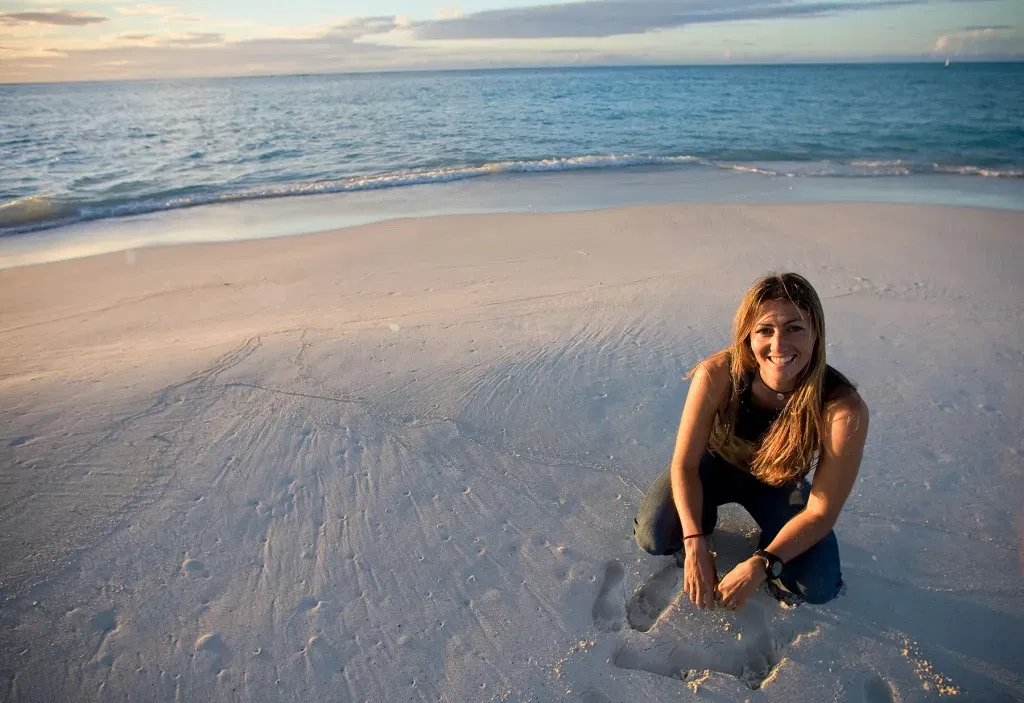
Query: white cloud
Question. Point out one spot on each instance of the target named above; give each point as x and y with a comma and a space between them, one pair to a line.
146, 9
361, 26
973, 41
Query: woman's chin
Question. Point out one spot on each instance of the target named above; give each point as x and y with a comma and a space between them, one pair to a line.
777, 377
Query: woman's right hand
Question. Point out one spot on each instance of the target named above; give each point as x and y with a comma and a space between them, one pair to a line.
700, 578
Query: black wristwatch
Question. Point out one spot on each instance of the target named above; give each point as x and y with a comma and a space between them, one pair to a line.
772, 564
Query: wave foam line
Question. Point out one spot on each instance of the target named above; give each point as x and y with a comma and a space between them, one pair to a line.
38, 212
42, 212
978, 171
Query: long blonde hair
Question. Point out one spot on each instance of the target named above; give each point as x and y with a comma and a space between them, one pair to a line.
790, 448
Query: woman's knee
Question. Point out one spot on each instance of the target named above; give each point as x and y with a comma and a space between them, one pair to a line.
815, 576
650, 539
818, 591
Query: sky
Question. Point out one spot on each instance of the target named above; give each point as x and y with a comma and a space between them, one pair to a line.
77, 40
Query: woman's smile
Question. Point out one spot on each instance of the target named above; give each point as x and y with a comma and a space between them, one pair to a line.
782, 341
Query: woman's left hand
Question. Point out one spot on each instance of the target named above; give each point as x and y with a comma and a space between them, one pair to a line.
735, 589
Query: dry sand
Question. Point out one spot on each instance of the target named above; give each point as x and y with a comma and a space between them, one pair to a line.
401, 462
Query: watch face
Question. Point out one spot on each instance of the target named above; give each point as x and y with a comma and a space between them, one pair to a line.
776, 569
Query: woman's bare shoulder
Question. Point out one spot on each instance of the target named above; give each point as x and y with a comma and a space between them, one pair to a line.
714, 374
847, 408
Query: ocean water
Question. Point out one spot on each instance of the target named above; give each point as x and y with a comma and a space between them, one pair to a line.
71, 153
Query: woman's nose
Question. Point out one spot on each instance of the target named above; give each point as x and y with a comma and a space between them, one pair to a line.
778, 341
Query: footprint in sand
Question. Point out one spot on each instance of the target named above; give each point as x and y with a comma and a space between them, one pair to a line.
609, 608
654, 598
683, 645
752, 659
194, 568
210, 653
644, 608
876, 690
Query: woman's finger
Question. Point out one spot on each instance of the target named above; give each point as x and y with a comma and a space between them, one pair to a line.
707, 596
710, 597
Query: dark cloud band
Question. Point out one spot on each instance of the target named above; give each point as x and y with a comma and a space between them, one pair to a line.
605, 18
58, 18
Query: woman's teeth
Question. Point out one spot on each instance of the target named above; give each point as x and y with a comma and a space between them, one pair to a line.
781, 360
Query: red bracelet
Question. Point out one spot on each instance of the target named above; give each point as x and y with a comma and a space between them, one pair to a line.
697, 534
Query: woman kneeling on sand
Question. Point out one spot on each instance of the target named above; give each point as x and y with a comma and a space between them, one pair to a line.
759, 416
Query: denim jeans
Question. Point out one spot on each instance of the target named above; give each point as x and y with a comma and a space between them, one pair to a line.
814, 575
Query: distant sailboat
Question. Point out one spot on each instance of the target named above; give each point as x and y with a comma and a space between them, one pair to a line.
947, 64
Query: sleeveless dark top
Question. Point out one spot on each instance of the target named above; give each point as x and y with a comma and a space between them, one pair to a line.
753, 422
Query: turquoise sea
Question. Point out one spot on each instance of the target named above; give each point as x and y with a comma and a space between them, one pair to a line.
75, 153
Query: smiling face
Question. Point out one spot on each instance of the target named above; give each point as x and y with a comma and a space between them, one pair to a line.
782, 340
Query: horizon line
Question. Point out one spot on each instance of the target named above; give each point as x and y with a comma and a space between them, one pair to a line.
545, 67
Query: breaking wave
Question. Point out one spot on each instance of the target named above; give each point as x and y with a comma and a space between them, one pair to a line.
39, 212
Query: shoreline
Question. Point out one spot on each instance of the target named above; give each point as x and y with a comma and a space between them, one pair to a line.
558, 191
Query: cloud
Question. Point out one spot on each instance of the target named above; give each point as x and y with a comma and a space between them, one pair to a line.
60, 18
361, 26
196, 39
173, 39
974, 41
390, 42
142, 9
605, 18
170, 13
993, 27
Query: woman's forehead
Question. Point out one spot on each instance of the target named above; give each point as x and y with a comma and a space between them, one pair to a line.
780, 312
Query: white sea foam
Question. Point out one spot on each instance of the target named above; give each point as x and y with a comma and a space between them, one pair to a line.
895, 168
978, 171
747, 169
34, 213
43, 212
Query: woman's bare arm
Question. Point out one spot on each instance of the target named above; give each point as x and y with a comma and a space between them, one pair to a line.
707, 391
706, 395
838, 465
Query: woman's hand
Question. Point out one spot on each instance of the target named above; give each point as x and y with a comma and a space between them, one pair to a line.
699, 575
741, 583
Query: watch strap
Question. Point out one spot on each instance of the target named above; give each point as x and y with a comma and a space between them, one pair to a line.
772, 564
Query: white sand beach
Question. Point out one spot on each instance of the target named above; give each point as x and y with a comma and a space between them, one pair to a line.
400, 462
